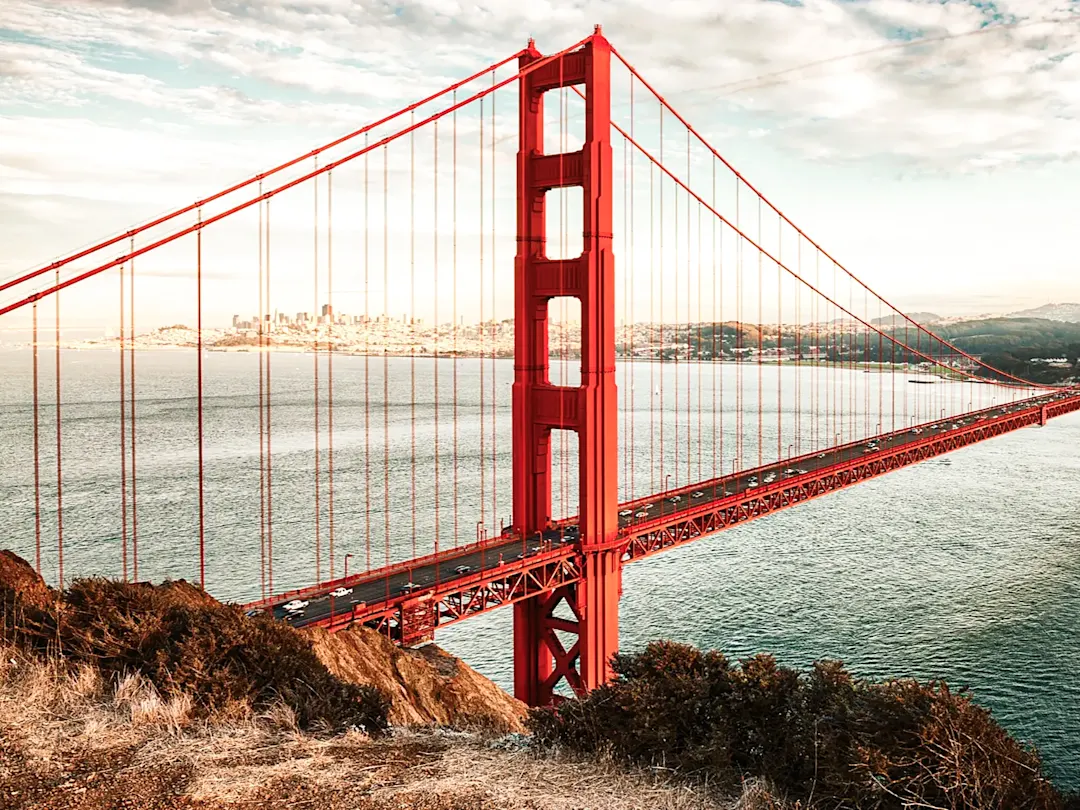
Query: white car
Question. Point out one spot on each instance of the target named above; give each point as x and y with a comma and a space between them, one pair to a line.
295, 605
640, 515
462, 569
675, 499
337, 593
625, 513
698, 495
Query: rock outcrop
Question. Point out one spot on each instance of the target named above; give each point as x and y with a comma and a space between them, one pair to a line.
426, 686
19, 581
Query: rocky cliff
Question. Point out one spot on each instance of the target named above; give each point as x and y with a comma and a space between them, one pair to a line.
426, 686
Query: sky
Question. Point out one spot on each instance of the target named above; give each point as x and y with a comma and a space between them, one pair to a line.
931, 147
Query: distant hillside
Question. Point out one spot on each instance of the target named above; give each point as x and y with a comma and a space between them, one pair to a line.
1040, 337
923, 318
1052, 312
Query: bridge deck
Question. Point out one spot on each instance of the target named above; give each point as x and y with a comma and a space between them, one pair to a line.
484, 575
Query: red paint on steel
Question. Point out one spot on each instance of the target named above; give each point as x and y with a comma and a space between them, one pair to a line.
199, 373
37, 451
590, 409
59, 468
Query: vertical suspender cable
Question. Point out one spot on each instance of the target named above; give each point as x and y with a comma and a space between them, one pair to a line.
691, 350
675, 330
483, 332
717, 321
412, 325
367, 362
37, 450
268, 353
653, 361
123, 439
632, 450
435, 326
495, 328
660, 359
59, 467
331, 346
262, 415
627, 448
131, 416
779, 342
315, 358
454, 315
199, 373
761, 346
740, 457
386, 359
700, 340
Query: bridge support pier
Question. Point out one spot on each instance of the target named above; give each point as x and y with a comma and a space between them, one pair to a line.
543, 658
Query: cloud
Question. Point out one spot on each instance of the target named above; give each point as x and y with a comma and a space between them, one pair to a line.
144, 104
984, 85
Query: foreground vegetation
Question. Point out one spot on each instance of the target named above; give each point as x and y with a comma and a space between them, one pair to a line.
118, 695
823, 739
188, 645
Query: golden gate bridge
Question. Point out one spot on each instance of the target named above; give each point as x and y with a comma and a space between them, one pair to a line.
751, 372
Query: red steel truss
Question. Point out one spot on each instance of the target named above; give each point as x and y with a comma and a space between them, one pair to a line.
555, 576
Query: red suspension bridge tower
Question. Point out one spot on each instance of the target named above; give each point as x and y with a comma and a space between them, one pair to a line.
540, 658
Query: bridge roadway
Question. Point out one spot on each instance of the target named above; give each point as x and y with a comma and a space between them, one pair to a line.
380, 587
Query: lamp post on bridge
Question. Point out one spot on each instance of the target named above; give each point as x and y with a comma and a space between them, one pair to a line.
347, 565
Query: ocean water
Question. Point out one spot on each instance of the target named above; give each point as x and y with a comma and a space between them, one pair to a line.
965, 567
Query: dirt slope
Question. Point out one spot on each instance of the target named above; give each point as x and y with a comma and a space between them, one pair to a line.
426, 686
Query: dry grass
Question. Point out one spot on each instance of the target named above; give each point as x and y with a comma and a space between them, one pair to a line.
70, 739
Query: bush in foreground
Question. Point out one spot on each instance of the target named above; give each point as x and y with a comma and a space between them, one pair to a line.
823, 738
187, 643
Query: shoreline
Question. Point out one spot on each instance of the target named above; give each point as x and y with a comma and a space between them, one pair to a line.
869, 368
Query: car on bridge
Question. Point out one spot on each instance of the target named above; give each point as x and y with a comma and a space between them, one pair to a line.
295, 605
337, 593
408, 587
462, 569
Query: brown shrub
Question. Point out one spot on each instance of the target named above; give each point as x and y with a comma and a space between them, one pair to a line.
822, 736
185, 642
